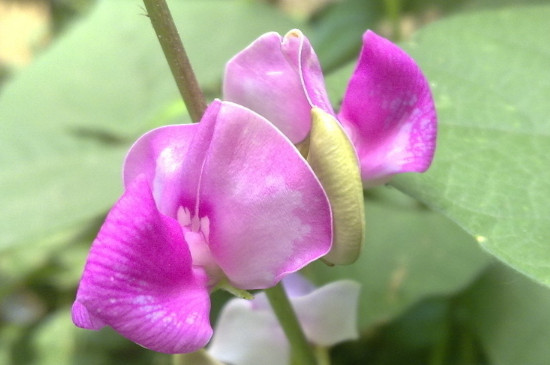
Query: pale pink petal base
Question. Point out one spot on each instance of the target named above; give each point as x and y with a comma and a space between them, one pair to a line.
388, 112
138, 279
160, 154
172, 158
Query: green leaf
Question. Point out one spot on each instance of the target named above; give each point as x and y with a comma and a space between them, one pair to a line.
57, 341
9, 334
49, 349
470, 5
410, 253
510, 316
337, 30
68, 119
491, 82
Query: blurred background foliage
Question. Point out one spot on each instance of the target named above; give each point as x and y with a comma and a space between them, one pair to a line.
80, 80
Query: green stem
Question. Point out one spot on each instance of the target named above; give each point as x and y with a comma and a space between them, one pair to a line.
239, 293
301, 352
441, 348
177, 59
467, 349
322, 355
393, 11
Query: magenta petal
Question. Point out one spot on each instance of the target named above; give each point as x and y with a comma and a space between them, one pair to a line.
388, 111
274, 77
268, 213
139, 280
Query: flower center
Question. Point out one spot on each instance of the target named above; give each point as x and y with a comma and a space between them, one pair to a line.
196, 232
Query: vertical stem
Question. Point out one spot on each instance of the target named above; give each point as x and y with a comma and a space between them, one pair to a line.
301, 352
393, 11
322, 355
177, 58
440, 350
467, 349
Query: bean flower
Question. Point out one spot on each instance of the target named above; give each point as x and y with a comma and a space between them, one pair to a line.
247, 332
226, 201
387, 110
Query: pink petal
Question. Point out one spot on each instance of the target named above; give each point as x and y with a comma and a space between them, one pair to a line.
268, 213
138, 279
301, 55
171, 157
159, 154
279, 78
388, 112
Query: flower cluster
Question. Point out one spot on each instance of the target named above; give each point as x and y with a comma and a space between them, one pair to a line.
226, 199
231, 200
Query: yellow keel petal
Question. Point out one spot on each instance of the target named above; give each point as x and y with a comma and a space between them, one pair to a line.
333, 158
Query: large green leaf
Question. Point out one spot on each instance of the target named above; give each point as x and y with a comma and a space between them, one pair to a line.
68, 119
509, 314
410, 253
336, 32
57, 341
491, 79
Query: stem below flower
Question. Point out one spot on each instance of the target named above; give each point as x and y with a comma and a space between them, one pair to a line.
174, 52
393, 11
301, 352
322, 354
239, 293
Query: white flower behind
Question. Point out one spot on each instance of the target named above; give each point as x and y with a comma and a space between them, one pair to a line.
248, 333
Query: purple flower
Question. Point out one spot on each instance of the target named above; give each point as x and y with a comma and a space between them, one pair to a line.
248, 333
226, 200
387, 110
